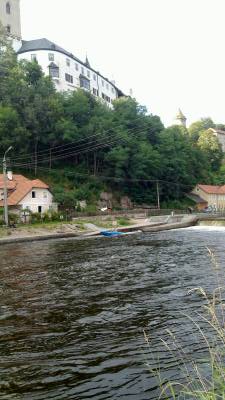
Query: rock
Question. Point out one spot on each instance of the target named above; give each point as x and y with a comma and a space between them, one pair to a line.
126, 202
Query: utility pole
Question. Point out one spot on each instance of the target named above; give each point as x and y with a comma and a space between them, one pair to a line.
158, 199
6, 215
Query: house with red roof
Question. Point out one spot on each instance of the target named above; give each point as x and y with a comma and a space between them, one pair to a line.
209, 195
24, 193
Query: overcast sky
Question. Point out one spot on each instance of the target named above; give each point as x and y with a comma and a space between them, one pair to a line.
170, 52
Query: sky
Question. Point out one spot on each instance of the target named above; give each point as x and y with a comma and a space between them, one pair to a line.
169, 52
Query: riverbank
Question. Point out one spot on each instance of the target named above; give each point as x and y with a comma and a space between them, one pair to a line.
55, 230
88, 227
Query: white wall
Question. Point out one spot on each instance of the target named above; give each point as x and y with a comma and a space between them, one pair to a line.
12, 19
103, 86
43, 198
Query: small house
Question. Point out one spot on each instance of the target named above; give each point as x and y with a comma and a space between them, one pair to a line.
23, 193
209, 196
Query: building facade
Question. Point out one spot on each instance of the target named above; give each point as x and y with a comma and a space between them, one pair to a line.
213, 195
67, 71
24, 194
10, 19
220, 136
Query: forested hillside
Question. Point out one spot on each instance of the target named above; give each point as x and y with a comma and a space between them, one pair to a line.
81, 147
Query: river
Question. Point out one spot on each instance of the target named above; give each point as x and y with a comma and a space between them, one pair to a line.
72, 313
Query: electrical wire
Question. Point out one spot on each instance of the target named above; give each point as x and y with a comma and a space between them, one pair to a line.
94, 147
81, 140
116, 179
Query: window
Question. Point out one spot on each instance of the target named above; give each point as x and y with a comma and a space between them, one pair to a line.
94, 77
113, 90
107, 86
33, 195
77, 67
8, 29
82, 70
68, 62
106, 98
33, 57
45, 195
103, 83
39, 209
8, 8
88, 74
95, 92
51, 57
69, 78
84, 83
53, 70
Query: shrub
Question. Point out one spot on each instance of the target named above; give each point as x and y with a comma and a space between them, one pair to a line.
14, 218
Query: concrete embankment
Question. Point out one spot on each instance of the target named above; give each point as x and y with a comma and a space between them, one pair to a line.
153, 224
38, 238
173, 222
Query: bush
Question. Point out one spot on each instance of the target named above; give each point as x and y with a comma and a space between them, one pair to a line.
35, 218
14, 218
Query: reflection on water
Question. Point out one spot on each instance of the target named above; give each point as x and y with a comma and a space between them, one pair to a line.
72, 313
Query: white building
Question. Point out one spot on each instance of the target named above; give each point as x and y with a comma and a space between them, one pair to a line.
25, 194
66, 70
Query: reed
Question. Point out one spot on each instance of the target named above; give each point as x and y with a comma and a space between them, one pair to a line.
201, 379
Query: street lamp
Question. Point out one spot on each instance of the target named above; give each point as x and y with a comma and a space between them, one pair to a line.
6, 216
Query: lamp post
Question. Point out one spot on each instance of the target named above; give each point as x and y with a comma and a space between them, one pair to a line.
6, 216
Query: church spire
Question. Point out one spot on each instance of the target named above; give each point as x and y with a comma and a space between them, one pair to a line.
181, 119
87, 62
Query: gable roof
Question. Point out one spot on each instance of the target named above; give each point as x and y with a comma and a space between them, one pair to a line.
212, 189
45, 44
19, 187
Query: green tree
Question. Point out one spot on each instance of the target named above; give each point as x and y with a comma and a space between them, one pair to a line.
212, 149
197, 127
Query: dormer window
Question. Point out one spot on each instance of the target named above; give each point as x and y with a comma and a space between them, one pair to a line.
8, 8
53, 70
84, 82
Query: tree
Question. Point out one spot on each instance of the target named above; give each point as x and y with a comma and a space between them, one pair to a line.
197, 127
212, 149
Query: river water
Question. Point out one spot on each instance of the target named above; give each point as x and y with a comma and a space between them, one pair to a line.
72, 313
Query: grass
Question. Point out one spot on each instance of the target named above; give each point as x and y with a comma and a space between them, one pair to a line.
202, 379
79, 223
3, 232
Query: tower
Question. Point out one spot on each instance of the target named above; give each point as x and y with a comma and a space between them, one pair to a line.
10, 19
180, 119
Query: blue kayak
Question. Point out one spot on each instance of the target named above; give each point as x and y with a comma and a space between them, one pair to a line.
111, 233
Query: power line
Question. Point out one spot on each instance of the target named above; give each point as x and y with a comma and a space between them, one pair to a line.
84, 139
119, 140
114, 178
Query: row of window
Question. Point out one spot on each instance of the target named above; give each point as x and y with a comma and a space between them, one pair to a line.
51, 57
69, 78
106, 98
33, 195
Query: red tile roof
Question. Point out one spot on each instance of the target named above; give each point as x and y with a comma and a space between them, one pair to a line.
212, 189
19, 187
